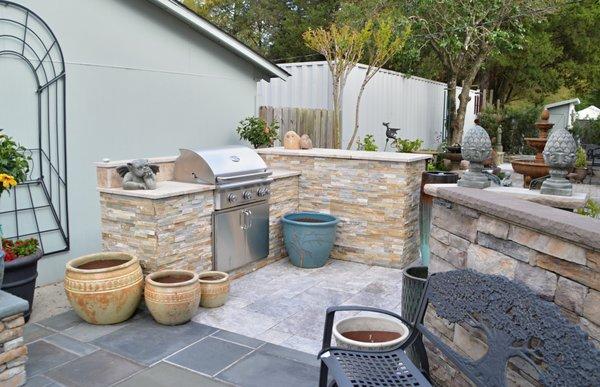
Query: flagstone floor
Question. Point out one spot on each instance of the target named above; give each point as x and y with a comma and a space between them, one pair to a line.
268, 334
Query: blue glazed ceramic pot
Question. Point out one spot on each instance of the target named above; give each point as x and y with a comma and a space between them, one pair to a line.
1, 266
309, 237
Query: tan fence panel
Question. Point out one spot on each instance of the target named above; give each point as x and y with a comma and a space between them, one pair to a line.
317, 123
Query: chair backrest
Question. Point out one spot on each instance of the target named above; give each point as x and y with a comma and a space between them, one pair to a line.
516, 323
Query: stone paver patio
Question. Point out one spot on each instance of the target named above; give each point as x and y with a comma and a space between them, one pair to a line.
268, 334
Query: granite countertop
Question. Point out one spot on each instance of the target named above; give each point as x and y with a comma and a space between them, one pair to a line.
167, 189
346, 154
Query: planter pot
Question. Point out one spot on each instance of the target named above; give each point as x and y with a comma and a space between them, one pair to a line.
172, 296
369, 333
580, 173
214, 286
1, 266
19, 277
309, 237
413, 284
104, 288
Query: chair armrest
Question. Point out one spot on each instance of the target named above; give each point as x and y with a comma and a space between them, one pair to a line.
330, 315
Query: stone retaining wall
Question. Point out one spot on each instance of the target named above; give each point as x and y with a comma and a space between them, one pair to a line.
494, 235
377, 202
176, 232
13, 352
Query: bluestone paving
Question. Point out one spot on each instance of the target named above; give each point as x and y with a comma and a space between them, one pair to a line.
290, 354
168, 375
61, 321
97, 369
41, 381
69, 344
44, 356
209, 356
238, 339
35, 332
147, 342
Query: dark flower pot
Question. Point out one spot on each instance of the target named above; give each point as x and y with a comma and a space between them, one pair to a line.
19, 277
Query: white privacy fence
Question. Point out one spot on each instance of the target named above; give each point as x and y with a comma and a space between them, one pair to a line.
416, 105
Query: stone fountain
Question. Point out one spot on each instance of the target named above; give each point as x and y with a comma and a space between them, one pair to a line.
533, 169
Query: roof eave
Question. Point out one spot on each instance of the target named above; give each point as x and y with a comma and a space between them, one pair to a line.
221, 37
574, 101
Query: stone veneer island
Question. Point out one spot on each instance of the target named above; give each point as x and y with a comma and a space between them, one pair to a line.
375, 194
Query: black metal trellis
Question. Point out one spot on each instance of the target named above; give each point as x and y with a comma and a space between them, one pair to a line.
39, 206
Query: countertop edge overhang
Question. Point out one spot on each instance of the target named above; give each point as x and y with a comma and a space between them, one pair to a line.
346, 154
169, 188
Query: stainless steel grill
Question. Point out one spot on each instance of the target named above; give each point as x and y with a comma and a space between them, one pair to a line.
241, 217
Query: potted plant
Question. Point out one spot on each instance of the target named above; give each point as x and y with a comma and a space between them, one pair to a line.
256, 131
369, 333
214, 286
20, 268
368, 144
172, 296
104, 288
580, 164
309, 237
408, 146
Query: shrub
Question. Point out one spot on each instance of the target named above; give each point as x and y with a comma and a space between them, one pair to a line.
368, 144
257, 132
587, 131
517, 124
408, 146
580, 158
591, 209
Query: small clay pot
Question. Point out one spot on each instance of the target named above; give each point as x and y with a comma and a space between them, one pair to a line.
366, 330
214, 286
172, 296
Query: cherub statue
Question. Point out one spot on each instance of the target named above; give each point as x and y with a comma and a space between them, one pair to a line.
138, 174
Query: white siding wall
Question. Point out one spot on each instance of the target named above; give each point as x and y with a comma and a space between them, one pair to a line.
140, 83
414, 104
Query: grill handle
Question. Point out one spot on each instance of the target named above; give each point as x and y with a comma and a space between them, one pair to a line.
244, 176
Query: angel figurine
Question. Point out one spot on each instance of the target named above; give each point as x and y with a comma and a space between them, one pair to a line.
138, 174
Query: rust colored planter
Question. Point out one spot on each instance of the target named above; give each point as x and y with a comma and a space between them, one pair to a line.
172, 296
214, 286
104, 288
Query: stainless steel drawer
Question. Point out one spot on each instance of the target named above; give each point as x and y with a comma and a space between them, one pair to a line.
240, 235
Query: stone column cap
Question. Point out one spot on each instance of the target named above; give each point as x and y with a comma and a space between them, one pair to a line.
11, 305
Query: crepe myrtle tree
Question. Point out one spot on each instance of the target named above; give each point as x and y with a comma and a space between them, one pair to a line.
342, 46
516, 323
464, 33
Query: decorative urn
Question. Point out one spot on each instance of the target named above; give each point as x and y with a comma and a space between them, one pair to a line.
476, 148
559, 155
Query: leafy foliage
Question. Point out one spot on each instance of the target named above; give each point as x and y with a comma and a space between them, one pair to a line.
368, 144
587, 131
20, 248
257, 132
408, 146
14, 163
580, 158
517, 124
591, 209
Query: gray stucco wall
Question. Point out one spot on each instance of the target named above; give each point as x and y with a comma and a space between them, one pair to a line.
139, 83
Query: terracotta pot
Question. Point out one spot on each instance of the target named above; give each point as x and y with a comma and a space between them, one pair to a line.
172, 296
385, 333
214, 286
104, 288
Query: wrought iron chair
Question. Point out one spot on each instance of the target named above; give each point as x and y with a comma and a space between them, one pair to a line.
515, 321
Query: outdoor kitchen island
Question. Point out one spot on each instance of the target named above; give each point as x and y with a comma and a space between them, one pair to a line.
376, 196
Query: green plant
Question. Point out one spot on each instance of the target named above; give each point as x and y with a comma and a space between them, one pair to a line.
517, 124
20, 248
591, 209
257, 132
368, 144
587, 131
580, 158
408, 146
14, 163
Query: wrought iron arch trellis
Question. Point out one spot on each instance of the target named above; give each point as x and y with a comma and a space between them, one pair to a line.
25, 36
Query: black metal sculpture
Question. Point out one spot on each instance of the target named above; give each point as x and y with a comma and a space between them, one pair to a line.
390, 134
516, 323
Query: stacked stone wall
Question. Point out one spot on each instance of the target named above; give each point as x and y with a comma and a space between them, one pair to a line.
13, 352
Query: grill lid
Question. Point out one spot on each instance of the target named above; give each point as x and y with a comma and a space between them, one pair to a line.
218, 165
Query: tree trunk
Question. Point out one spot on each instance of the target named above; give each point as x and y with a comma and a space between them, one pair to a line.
451, 107
337, 119
356, 115
459, 122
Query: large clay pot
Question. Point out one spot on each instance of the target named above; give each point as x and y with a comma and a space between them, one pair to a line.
104, 288
214, 286
172, 296
309, 237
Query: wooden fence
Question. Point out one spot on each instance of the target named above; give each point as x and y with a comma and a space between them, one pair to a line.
317, 123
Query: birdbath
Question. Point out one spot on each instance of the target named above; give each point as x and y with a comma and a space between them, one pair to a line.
533, 169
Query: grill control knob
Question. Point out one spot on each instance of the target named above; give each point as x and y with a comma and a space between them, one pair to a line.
247, 195
262, 191
232, 198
